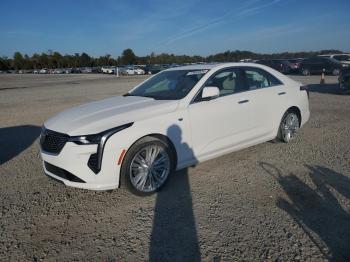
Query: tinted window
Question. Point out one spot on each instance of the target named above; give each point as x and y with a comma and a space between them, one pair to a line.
229, 81
264, 62
342, 57
317, 60
257, 78
273, 80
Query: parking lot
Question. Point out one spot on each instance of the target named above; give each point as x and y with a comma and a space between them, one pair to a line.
271, 202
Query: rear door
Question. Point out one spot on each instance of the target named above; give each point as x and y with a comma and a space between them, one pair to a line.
321, 64
269, 96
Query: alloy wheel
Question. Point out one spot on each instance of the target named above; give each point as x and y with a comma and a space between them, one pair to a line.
289, 127
149, 168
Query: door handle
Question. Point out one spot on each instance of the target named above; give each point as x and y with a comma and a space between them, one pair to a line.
243, 101
281, 93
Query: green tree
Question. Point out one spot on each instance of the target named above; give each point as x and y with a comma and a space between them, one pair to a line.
44, 60
18, 61
128, 57
85, 60
27, 63
56, 59
4, 63
35, 61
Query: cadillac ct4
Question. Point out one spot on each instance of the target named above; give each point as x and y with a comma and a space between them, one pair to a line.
175, 119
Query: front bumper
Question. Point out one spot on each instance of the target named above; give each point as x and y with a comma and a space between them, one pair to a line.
74, 158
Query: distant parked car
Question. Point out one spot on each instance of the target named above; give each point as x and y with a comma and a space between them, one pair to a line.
43, 71
108, 70
153, 69
342, 58
96, 69
121, 70
130, 71
316, 65
139, 71
246, 60
75, 71
58, 71
344, 79
86, 70
296, 63
281, 65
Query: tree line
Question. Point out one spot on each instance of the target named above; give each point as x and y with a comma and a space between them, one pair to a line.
53, 59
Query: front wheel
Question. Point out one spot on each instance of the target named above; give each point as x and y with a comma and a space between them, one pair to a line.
289, 127
336, 72
147, 166
305, 72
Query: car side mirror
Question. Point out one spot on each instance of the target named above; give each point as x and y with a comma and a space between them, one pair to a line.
210, 92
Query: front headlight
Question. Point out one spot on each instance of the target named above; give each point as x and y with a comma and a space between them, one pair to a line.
86, 140
97, 138
100, 140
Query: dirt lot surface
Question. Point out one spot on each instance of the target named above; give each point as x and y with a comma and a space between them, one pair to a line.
271, 202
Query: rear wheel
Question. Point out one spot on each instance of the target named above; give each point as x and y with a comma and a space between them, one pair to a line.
336, 72
305, 72
147, 166
289, 126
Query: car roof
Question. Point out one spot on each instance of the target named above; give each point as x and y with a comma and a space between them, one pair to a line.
193, 67
333, 54
218, 66
211, 66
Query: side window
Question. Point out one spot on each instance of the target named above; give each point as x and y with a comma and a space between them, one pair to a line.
273, 80
340, 57
312, 61
257, 78
228, 81
321, 60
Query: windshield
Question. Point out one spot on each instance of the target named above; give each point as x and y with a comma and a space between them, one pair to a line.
342, 57
333, 60
169, 85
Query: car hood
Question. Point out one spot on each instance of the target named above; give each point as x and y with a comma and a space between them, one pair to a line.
99, 116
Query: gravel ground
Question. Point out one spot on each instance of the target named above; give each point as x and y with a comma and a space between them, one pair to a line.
271, 202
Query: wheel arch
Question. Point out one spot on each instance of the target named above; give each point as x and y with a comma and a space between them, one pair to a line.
167, 140
296, 110
161, 137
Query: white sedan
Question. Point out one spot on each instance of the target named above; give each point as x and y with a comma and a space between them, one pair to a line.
173, 120
139, 71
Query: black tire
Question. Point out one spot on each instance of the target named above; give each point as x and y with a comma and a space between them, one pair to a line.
336, 72
305, 72
290, 113
125, 180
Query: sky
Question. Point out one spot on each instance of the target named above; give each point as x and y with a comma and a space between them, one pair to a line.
192, 27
